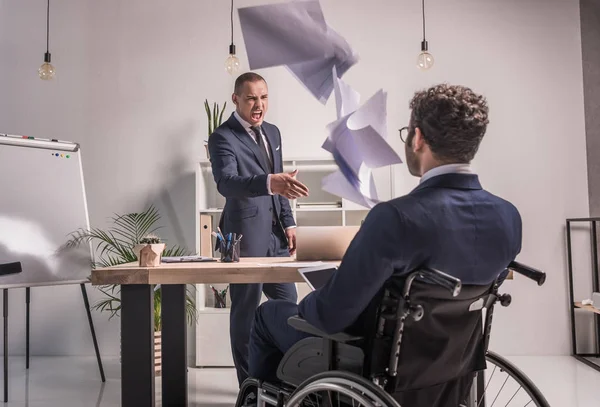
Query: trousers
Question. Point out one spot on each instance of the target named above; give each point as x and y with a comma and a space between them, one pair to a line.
245, 299
271, 338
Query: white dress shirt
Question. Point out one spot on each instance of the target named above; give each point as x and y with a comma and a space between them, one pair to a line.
447, 169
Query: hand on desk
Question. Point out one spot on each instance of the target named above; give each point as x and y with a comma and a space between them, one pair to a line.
291, 237
287, 185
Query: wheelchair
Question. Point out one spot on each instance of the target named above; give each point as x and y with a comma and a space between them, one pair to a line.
427, 347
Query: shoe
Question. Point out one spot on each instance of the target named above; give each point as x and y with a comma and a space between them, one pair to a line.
250, 400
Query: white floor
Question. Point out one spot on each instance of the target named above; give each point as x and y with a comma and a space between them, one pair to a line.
75, 382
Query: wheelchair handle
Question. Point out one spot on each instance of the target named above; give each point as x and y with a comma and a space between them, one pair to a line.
450, 283
536, 275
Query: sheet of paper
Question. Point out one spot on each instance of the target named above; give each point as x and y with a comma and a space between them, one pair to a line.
357, 141
185, 259
284, 33
318, 76
292, 264
337, 184
347, 100
295, 35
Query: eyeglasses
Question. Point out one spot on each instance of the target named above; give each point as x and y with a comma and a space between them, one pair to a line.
403, 133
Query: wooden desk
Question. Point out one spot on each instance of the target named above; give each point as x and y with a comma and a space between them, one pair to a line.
137, 317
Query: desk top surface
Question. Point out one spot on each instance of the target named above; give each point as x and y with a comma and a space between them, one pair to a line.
248, 270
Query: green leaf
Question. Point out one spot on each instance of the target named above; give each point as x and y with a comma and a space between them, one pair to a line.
115, 246
206, 106
221, 115
215, 107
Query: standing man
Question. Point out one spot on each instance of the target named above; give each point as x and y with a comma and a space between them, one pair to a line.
246, 157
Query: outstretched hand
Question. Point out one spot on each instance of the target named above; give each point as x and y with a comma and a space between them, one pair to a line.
287, 185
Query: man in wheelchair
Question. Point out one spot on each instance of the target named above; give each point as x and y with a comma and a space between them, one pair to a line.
448, 222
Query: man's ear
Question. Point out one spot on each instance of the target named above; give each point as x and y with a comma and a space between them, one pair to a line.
418, 141
234, 99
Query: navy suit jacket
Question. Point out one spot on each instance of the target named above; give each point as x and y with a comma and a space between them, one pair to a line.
448, 222
241, 177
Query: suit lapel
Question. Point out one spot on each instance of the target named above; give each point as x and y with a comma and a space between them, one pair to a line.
238, 130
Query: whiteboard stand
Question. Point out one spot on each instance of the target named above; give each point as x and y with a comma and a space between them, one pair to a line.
28, 301
45, 167
7, 269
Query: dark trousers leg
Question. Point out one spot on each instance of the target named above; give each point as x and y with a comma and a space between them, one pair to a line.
280, 291
271, 337
244, 301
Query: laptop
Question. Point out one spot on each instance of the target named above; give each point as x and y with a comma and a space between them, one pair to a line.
317, 276
315, 243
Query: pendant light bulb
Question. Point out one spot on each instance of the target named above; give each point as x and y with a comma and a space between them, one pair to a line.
425, 59
47, 70
232, 63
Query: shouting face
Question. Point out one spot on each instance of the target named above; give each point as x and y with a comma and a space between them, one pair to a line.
252, 102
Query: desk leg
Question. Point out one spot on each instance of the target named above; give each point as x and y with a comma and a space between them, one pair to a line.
174, 345
137, 345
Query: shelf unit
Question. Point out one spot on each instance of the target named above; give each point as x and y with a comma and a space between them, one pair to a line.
320, 208
590, 359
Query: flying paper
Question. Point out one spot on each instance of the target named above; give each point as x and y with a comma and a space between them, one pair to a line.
295, 35
357, 141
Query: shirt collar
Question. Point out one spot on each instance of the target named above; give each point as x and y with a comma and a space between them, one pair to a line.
447, 169
243, 122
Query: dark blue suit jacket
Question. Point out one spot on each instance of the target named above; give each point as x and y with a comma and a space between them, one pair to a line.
448, 222
241, 178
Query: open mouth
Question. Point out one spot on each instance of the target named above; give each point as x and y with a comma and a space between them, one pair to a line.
256, 115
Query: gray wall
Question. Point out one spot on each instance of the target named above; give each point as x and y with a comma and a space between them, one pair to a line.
132, 77
590, 45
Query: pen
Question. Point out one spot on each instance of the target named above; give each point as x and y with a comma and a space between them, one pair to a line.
220, 233
219, 297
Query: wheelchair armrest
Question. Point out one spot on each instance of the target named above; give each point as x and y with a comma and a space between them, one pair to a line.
10, 268
452, 284
301, 325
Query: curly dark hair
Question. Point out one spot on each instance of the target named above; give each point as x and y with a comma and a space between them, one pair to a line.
452, 119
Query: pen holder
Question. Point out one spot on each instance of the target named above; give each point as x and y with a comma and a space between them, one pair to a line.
220, 300
230, 251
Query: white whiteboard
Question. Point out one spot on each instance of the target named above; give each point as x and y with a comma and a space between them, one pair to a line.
42, 201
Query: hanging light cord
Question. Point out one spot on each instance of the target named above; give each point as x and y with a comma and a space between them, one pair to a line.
231, 21
423, 8
48, 28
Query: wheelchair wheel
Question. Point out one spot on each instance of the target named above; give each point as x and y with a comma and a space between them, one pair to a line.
503, 384
338, 388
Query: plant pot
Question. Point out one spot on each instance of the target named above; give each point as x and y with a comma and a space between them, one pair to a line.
149, 255
157, 353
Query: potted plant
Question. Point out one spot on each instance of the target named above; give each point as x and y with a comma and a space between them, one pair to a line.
215, 118
149, 251
119, 244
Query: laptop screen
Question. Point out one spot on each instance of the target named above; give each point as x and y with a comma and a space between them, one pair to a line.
317, 277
